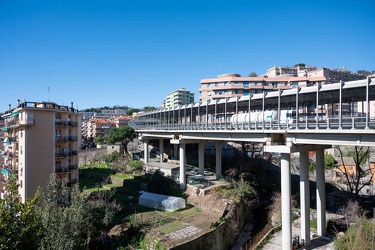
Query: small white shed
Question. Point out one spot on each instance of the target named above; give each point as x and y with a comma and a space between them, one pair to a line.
161, 202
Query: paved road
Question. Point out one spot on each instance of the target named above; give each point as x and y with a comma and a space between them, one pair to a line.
322, 243
317, 243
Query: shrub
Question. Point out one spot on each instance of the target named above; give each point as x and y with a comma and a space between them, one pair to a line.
136, 165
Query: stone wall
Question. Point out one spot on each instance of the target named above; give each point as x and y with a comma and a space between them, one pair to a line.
223, 236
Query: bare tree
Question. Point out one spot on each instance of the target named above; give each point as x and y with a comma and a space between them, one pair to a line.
362, 176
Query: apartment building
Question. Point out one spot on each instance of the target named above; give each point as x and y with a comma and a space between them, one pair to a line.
178, 97
103, 114
40, 138
332, 75
121, 120
98, 127
231, 85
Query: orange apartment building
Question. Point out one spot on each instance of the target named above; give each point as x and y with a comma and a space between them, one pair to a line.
41, 138
100, 127
349, 167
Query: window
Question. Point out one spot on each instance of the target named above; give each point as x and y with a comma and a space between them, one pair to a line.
246, 84
225, 83
235, 83
208, 85
216, 84
256, 83
246, 92
236, 91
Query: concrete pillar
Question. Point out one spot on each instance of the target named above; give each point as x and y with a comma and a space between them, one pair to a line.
320, 192
146, 157
218, 160
286, 202
161, 149
304, 196
201, 157
182, 166
175, 151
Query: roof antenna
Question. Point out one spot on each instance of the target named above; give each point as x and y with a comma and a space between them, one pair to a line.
48, 93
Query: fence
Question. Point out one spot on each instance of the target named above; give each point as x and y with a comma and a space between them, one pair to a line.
254, 241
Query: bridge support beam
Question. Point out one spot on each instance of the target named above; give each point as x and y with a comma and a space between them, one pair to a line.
201, 157
320, 192
161, 149
218, 160
146, 155
305, 196
286, 202
182, 166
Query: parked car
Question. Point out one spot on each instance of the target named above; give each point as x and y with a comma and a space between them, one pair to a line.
207, 172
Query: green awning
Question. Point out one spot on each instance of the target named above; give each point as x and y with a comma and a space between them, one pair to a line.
11, 115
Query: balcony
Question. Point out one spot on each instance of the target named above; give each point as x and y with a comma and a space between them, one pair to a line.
72, 124
65, 154
72, 138
60, 138
73, 167
60, 124
27, 122
61, 170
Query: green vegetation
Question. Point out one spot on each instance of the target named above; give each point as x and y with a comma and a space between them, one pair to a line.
359, 233
57, 218
20, 227
99, 140
123, 134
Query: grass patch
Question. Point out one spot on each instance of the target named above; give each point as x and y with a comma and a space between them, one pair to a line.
173, 226
313, 223
112, 185
96, 189
85, 183
122, 198
124, 176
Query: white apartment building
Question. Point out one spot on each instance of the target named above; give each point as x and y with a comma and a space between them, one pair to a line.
178, 97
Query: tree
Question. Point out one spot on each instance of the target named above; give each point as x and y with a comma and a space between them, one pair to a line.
20, 226
362, 177
148, 109
160, 184
71, 218
329, 162
300, 65
123, 134
253, 74
131, 111
99, 140
64, 216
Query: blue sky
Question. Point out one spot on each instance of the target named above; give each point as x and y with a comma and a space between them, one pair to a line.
106, 53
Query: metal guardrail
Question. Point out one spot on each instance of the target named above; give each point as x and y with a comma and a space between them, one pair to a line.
329, 123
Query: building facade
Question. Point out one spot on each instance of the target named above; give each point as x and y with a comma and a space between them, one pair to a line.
98, 127
179, 97
231, 85
41, 138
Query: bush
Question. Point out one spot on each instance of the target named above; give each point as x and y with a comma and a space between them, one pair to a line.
360, 230
136, 165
